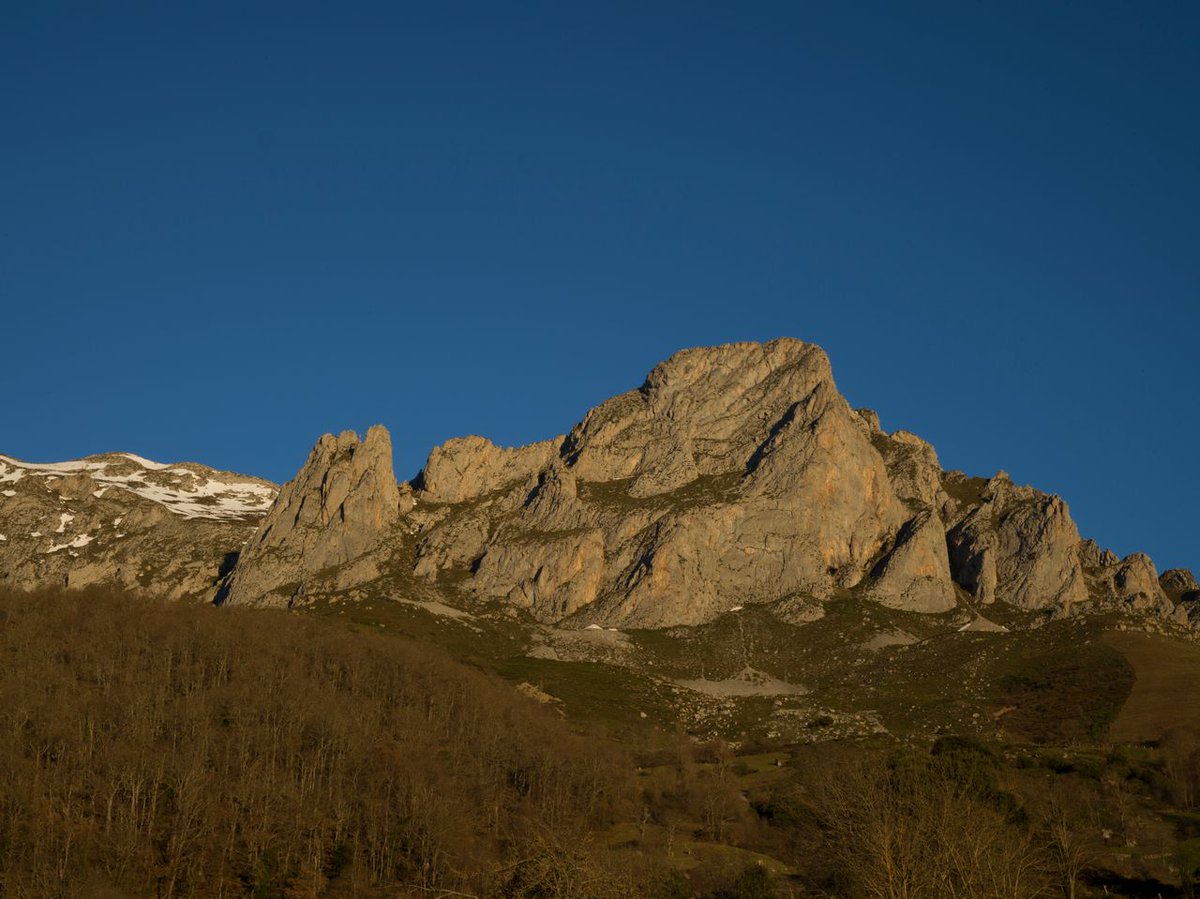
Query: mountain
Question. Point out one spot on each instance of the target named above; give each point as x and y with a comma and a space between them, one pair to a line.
744, 624
119, 519
734, 476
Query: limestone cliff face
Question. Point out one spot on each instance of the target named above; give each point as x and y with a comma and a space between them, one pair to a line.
342, 504
912, 577
468, 467
710, 407
735, 474
1018, 546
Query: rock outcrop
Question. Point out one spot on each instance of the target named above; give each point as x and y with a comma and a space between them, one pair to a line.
324, 524
1132, 584
734, 474
1180, 585
912, 576
1017, 546
1135, 583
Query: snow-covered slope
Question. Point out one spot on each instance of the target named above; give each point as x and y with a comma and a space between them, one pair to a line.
187, 489
122, 520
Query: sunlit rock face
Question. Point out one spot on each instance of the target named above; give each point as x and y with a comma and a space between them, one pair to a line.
1018, 546
733, 475
342, 504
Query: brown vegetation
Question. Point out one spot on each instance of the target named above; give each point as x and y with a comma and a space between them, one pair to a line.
170, 751
1168, 675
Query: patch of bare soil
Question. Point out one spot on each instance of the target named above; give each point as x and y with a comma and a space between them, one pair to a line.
747, 682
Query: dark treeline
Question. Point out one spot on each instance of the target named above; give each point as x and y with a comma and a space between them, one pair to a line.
171, 751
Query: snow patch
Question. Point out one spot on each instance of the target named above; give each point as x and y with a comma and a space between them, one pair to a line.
81, 540
9, 475
10, 493
63, 520
440, 609
23, 468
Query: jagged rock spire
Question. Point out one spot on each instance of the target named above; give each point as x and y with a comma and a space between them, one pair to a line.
343, 503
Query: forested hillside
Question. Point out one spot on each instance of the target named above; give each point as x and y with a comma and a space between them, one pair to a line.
170, 750
154, 751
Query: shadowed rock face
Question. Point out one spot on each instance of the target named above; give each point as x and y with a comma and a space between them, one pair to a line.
341, 505
1180, 585
1182, 589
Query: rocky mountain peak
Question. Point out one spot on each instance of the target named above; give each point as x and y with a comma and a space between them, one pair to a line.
341, 504
716, 404
733, 475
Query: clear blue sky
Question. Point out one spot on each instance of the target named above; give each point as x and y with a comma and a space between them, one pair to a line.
223, 232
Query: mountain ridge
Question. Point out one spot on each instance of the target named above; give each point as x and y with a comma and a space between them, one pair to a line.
122, 520
733, 474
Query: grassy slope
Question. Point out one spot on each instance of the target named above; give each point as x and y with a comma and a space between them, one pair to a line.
1061, 683
1167, 684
